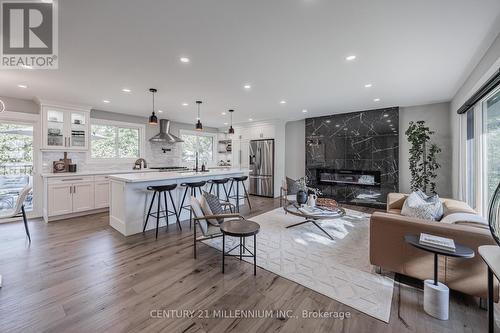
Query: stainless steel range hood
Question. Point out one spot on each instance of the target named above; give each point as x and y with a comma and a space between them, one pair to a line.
164, 135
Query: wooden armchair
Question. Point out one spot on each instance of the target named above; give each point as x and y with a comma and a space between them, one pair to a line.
208, 224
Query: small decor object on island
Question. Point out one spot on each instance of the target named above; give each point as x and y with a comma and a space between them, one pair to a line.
442, 243
311, 201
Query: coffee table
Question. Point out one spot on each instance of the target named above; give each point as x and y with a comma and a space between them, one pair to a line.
330, 213
240, 229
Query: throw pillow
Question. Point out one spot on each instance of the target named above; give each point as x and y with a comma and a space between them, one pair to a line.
421, 206
291, 186
214, 204
207, 211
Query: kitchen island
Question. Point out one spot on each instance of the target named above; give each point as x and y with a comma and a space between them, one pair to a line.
130, 199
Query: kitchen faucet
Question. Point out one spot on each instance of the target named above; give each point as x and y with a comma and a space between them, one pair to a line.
140, 163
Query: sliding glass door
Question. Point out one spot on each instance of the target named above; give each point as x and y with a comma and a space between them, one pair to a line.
481, 148
491, 133
16, 163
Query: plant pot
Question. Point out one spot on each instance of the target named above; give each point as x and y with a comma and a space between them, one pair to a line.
301, 197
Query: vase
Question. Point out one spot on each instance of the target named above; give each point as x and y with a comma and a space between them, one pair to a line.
311, 201
301, 197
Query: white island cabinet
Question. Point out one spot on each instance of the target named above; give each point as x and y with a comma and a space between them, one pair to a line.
130, 199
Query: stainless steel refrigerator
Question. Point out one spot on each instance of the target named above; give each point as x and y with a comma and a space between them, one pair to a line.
261, 175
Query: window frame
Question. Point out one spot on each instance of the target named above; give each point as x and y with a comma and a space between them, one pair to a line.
197, 133
142, 138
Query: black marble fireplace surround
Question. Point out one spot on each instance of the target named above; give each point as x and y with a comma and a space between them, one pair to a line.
353, 157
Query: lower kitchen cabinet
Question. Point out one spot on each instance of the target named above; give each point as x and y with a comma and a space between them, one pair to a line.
73, 195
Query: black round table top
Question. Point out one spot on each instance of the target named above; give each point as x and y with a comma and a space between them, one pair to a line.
239, 228
460, 250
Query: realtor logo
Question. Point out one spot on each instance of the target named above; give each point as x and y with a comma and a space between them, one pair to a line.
29, 34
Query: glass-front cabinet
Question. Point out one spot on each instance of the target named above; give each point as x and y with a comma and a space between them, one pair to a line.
65, 128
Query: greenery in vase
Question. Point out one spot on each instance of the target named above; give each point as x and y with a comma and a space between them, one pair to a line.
423, 157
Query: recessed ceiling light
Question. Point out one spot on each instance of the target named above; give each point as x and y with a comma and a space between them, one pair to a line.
160, 111
22, 86
223, 113
282, 102
368, 85
350, 58
304, 111
250, 119
126, 90
106, 101
376, 100
185, 104
247, 86
185, 60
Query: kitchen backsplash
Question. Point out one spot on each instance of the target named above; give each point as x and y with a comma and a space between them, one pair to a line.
153, 155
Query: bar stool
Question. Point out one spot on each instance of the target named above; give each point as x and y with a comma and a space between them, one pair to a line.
158, 190
192, 188
225, 200
218, 183
237, 197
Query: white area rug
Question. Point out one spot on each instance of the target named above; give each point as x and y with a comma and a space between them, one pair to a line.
339, 269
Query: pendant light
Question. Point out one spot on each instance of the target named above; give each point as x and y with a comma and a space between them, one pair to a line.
153, 120
199, 126
231, 129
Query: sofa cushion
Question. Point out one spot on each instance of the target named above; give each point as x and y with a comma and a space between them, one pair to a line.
454, 206
422, 206
466, 218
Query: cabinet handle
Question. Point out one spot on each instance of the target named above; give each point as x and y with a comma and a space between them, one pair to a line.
74, 189
71, 179
70, 189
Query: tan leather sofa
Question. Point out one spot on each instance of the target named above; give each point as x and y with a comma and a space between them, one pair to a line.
389, 251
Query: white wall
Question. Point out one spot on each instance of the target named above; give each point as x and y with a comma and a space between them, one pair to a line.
295, 149
489, 64
436, 117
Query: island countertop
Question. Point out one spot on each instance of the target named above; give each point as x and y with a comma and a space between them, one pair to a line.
139, 177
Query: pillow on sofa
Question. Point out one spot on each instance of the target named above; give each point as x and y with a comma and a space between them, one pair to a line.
465, 218
422, 206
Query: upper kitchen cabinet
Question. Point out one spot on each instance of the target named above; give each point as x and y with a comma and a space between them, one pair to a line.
65, 127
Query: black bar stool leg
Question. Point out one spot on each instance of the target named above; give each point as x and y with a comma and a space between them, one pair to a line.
158, 214
149, 211
175, 210
166, 207
237, 196
230, 188
255, 254
246, 195
193, 193
211, 187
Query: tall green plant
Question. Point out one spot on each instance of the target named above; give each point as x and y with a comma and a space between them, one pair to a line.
423, 157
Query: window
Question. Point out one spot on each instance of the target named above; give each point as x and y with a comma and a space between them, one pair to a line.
201, 143
481, 148
115, 140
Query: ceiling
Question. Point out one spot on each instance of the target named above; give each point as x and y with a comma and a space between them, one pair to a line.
412, 52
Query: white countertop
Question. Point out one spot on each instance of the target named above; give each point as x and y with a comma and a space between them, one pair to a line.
94, 173
138, 177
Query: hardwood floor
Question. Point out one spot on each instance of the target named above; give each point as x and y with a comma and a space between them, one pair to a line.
80, 275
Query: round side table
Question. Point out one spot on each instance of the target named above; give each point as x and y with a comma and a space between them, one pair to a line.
437, 294
240, 229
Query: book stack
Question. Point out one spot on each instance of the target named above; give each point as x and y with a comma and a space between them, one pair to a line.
437, 242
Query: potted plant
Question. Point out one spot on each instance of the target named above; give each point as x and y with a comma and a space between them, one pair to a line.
423, 157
